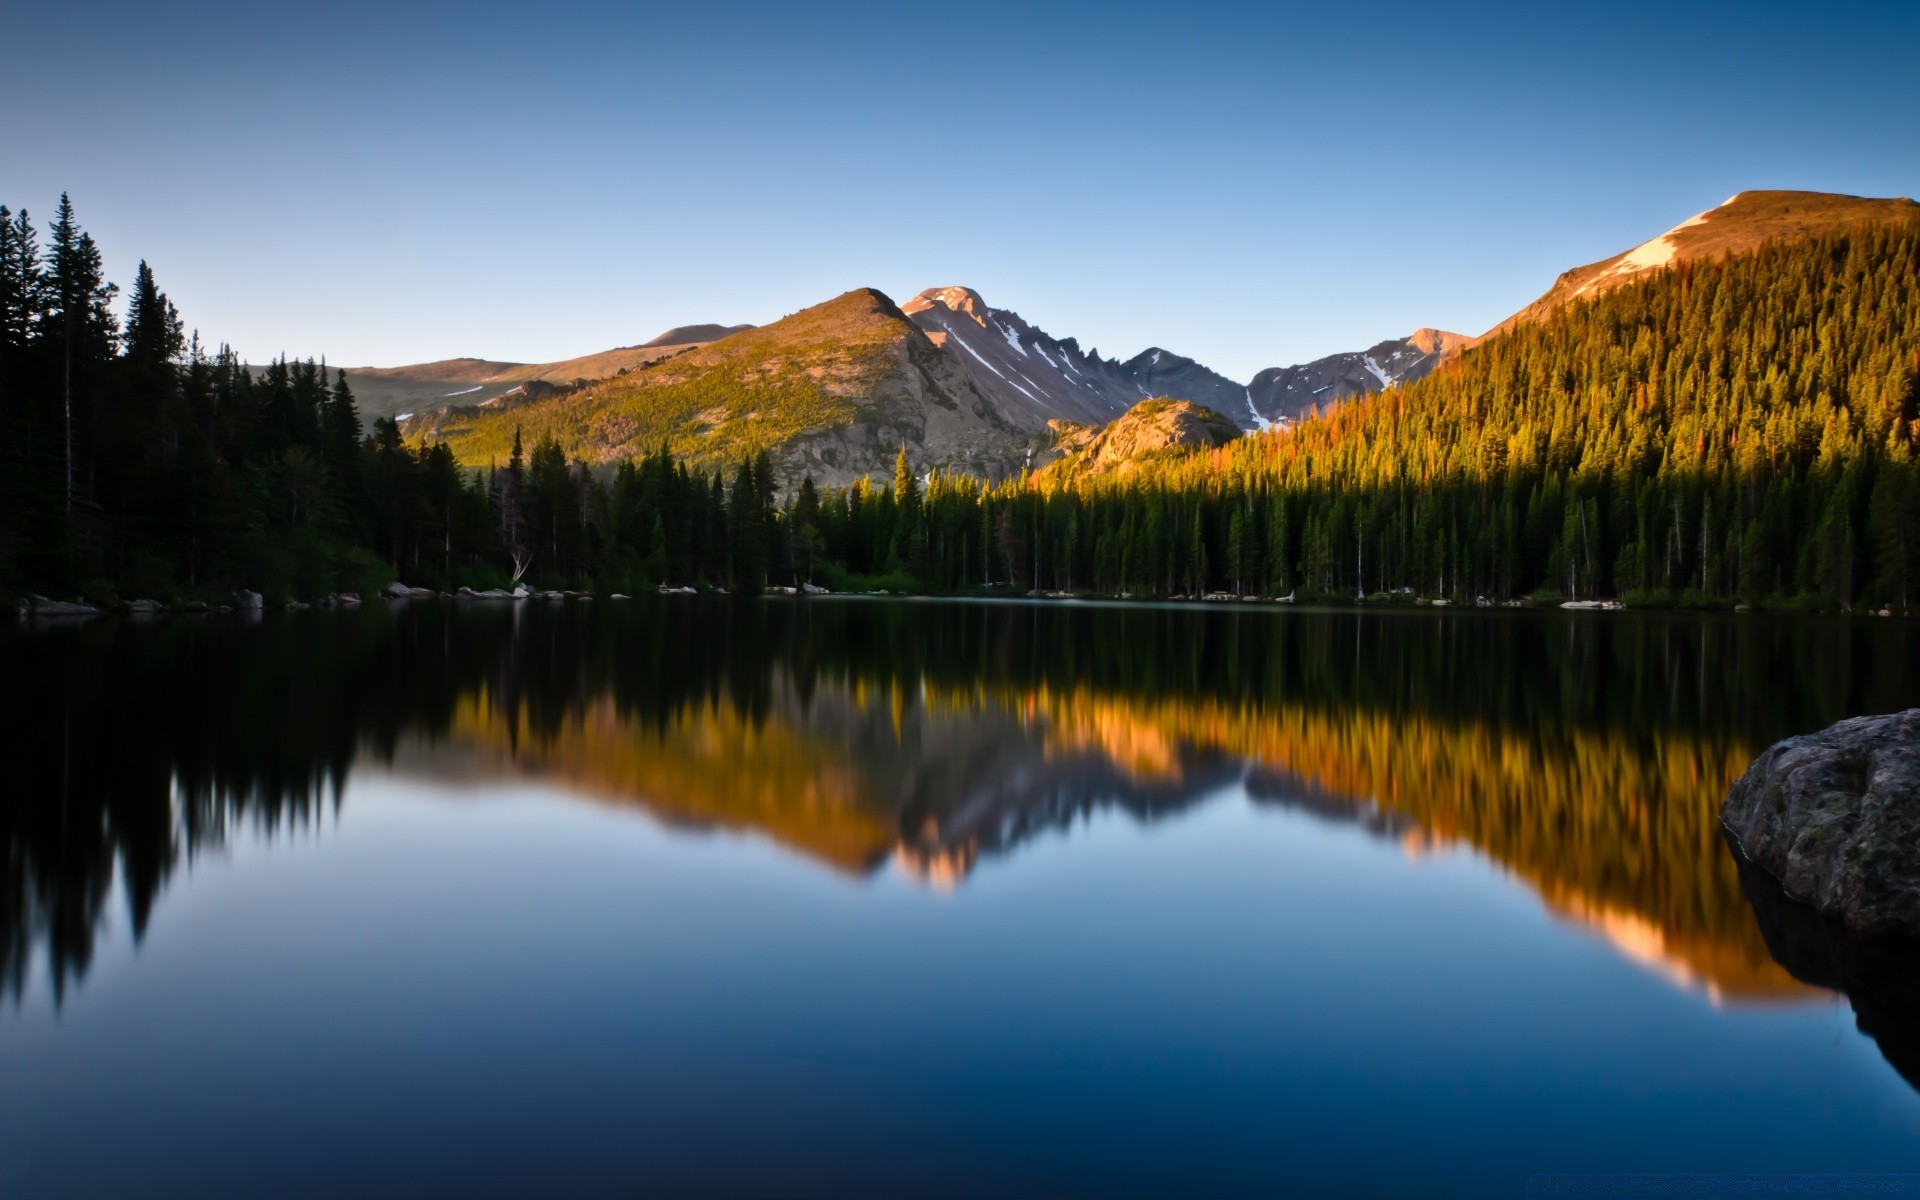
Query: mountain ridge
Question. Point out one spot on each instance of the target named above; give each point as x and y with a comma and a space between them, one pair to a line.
1035, 378
1739, 224
834, 391
1008, 376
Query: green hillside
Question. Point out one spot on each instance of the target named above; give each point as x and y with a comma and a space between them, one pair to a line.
854, 361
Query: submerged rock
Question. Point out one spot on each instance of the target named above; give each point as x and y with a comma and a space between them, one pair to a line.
1834, 816
1879, 975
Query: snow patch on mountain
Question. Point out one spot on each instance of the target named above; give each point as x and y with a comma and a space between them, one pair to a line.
1034, 378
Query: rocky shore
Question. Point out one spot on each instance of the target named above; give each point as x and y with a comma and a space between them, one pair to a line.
1834, 817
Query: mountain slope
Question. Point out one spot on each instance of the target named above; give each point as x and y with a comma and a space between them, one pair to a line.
1742, 223
1280, 394
1149, 428
392, 391
1033, 377
834, 390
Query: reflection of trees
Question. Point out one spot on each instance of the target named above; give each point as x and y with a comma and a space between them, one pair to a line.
1586, 755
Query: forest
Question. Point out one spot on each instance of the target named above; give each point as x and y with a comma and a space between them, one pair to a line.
1739, 431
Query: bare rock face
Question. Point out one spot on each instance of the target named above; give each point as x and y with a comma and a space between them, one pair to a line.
1834, 816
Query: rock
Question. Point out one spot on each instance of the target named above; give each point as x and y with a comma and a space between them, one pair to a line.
43, 607
195, 606
812, 589
346, 598
422, 593
617, 596
245, 600
520, 592
1834, 816
22, 609
143, 607
397, 591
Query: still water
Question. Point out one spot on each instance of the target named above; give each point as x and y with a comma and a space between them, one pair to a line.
865, 898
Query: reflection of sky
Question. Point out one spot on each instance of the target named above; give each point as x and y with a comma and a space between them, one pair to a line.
516, 992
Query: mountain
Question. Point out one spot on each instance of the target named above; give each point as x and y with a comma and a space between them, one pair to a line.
1147, 428
1280, 394
834, 391
1740, 224
392, 391
689, 335
1034, 378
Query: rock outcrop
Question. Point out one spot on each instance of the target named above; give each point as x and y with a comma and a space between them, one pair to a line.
1834, 816
1149, 428
43, 607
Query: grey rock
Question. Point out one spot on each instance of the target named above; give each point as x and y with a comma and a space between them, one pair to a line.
245, 600
397, 591
43, 607
1834, 816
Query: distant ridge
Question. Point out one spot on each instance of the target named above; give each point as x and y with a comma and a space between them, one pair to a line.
392, 391
684, 335
1034, 377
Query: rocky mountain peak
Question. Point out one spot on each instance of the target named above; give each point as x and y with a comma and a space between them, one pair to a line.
1436, 341
962, 300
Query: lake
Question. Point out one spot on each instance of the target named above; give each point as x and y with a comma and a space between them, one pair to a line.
883, 898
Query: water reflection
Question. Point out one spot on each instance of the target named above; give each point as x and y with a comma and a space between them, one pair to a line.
1586, 756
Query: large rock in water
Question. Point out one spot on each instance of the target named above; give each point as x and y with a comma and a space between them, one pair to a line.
1834, 816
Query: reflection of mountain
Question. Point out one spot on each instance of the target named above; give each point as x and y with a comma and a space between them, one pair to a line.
1615, 832
1585, 757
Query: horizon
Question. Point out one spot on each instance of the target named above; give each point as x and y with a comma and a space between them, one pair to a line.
1128, 182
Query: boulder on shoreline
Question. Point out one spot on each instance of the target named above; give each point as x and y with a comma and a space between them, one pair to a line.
245, 600
1834, 816
43, 607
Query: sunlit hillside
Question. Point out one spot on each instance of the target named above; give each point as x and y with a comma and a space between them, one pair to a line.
834, 390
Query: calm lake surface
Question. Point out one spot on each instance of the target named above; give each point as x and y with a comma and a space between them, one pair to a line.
872, 898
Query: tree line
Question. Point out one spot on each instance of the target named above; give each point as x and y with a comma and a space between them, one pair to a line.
1739, 430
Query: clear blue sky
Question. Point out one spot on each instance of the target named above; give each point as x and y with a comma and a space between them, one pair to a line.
1251, 185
